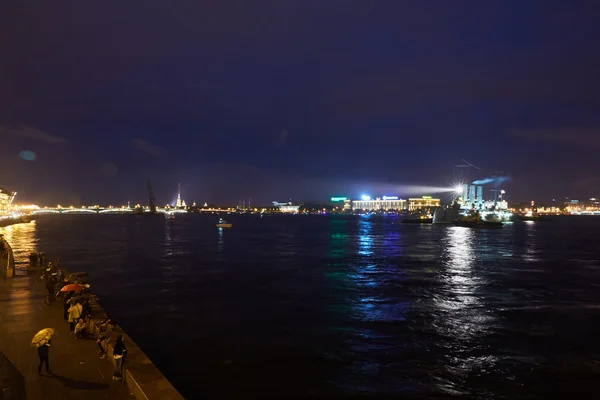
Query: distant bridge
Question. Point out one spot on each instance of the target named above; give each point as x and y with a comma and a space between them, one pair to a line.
72, 210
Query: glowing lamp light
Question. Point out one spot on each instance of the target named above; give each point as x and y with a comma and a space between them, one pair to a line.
458, 189
365, 197
390, 197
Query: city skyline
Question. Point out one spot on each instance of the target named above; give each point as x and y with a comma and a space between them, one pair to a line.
244, 100
446, 197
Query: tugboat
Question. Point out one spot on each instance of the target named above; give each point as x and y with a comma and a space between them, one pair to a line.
532, 215
418, 218
474, 220
223, 224
527, 217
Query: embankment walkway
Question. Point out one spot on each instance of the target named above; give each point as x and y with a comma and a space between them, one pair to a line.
79, 373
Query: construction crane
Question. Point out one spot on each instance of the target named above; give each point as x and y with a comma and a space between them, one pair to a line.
151, 199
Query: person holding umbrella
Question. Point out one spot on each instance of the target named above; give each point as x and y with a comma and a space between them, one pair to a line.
41, 341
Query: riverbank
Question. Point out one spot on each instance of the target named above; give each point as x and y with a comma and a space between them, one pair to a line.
78, 372
142, 378
78, 369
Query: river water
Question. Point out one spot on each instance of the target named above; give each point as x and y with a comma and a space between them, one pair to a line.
319, 306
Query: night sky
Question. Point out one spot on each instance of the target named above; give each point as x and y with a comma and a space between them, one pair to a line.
296, 99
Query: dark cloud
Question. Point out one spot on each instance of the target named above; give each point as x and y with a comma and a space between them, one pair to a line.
31, 133
585, 137
283, 136
109, 169
147, 147
366, 91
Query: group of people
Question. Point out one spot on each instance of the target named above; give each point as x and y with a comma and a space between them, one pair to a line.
54, 278
77, 311
37, 259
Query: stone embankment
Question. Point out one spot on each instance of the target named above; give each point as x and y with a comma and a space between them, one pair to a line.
24, 296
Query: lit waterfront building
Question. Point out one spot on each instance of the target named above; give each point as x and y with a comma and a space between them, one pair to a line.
347, 202
385, 203
422, 202
6, 199
287, 208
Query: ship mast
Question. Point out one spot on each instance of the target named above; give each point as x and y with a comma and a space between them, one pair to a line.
151, 199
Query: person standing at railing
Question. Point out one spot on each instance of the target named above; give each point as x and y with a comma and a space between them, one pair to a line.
119, 353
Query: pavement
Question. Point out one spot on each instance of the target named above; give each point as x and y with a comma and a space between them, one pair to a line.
78, 371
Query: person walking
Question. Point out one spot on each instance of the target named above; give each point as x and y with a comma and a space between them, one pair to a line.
119, 353
44, 356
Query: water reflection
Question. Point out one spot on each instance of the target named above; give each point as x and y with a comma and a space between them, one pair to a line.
531, 248
462, 317
377, 312
23, 240
373, 275
338, 239
391, 245
168, 234
365, 239
220, 240
169, 250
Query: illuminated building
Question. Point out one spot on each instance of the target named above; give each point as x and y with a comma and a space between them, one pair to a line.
386, 203
422, 202
287, 208
6, 199
347, 202
178, 204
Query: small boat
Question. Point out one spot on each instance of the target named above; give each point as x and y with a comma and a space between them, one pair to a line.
417, 221
223, 224
533, 216
478, 224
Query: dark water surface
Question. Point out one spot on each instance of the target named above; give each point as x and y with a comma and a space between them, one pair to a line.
303, 306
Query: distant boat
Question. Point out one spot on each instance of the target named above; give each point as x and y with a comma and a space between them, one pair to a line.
417, 221
223, 224
533, 216
478, 224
